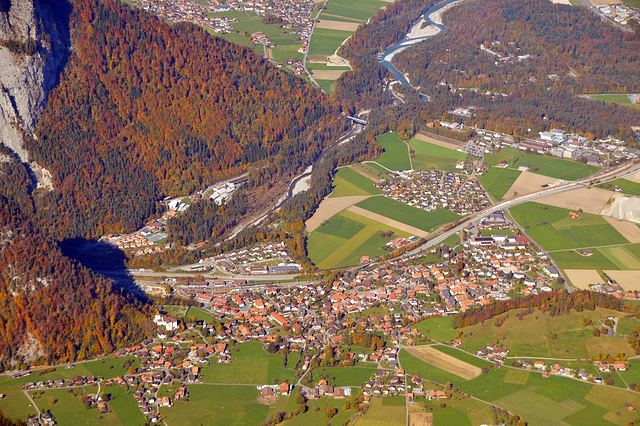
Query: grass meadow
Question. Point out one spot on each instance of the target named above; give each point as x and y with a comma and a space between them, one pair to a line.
430, 156
396, 152
498, 181
408, 215
348, 182
548, 166
553, 229
345, 238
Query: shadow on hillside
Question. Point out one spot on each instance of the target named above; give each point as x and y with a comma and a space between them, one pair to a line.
104, 259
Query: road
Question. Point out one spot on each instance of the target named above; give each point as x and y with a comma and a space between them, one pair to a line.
604, 176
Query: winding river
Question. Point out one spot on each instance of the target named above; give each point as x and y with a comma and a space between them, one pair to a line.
429, 25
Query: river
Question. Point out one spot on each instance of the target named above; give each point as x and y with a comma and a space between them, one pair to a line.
429, 25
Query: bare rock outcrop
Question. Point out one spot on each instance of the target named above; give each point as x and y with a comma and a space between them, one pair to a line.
34, 42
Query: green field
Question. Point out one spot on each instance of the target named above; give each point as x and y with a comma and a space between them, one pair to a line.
437, 328
562, 232
325, 42
200, 315
344, 238
313, 417
228, 405
572, 260
250, 365
327, 85
532, 336
548, 166
536, 399
627, 186
355, 9
285, 42
348, 182
430, 156
617, 98
373, 169
406, 214
68, 409
125, 407
380, 414
498, 181
346, 376
396, 152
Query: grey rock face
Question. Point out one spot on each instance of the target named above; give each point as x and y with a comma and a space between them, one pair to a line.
34, 41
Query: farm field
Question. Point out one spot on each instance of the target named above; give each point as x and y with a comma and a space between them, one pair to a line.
421, 219
348, 182
431, 156
347, 376
345, 238
69, 409
629, 280
437, 328
373, 169
325, 42
313, 417
590, 200
526, 183
329, 207
379, 414
548, 166
536, 399
355, 9
396, 152
125, 407
617, 98
230, 405
630, 230
582, 278
338, 25
627, 186
497, 181
251, 364
532, 336
446, 362
327, 85
553, 229
442, 141
568, 259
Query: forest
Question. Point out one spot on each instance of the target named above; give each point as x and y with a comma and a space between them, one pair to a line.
524, 68
145, 110
52, 309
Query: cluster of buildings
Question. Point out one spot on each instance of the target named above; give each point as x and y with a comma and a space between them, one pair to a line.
504, 53
292, 14
235, 260
433, 190
619, 13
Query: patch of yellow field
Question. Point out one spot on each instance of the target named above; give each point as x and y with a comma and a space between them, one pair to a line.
445, 362
581, 278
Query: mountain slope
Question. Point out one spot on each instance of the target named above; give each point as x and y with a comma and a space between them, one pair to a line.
51, 308
145, 109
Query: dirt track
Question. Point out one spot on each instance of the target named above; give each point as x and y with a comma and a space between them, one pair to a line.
330, 207
385, 220
590, 200
528, 182
581, 278
337, 25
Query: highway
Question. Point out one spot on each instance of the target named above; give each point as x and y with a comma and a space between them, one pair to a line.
603, 175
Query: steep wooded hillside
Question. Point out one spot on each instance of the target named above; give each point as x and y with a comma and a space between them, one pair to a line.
51, 308
145, 109
525, 66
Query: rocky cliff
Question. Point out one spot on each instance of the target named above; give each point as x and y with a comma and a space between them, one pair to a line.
34, 41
